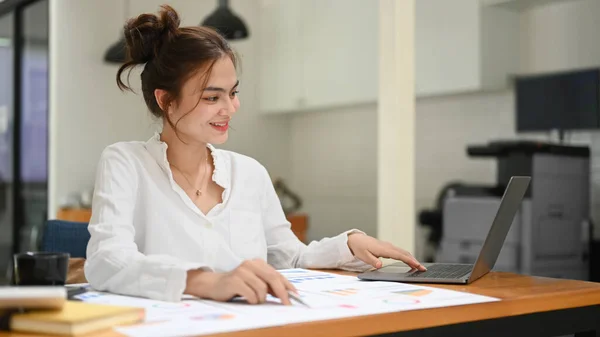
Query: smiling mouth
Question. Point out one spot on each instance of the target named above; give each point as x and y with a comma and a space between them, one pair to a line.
220, 126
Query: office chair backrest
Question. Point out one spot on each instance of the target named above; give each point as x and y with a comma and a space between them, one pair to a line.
66, 237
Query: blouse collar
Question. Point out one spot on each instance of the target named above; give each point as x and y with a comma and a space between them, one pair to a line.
158, 150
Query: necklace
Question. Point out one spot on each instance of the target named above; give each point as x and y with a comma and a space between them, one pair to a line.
198, 190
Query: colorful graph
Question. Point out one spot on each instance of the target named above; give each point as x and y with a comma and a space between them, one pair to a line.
213, 317
342, 292
301, 279
414, 292
401, 300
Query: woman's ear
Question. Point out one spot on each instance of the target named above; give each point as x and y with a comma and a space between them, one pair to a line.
161, 97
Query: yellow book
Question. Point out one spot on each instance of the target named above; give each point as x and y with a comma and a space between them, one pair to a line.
75, 318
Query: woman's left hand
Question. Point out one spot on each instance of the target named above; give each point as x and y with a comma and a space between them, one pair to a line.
370, 249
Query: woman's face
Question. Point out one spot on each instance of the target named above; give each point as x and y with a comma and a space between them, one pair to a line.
205, 112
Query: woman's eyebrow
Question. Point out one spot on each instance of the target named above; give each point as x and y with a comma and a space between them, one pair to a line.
219, 89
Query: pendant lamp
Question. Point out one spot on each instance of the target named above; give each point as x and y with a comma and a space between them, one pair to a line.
222, 19
116, 53
226, 22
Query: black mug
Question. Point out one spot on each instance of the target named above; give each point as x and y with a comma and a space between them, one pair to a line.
40, 268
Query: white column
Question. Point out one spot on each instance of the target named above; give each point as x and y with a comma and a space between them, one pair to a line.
396, 124
54, 12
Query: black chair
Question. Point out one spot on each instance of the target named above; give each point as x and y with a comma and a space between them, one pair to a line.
66, 237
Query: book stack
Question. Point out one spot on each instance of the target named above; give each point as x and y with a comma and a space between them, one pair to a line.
45, 310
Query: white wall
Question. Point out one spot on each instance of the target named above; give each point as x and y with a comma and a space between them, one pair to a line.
563, 36
88, 112
341, 193
334, 156
336, 152
334, 169
445, 125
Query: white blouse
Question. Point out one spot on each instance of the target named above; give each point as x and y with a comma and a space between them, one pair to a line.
146, 233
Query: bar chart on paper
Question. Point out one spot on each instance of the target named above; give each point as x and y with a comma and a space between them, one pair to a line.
328, 296
372, 294
342, 292
297, 276
324, 289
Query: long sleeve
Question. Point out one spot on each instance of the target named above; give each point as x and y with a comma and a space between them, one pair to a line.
114, 262
284, 250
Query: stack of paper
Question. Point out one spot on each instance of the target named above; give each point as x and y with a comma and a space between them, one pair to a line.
328, 296
32, 297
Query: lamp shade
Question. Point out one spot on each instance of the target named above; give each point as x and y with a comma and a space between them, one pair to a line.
116, 53
222, 19
226, 23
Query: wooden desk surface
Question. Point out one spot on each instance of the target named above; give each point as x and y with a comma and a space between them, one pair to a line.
520, 295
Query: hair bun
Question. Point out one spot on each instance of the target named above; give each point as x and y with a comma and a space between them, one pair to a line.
146, 34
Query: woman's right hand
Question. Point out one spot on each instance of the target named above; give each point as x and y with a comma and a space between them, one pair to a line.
253, 279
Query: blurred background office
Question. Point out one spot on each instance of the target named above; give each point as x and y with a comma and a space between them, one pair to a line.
312, 106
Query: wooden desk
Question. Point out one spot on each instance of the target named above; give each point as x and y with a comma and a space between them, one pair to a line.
74, 214
299, 222
530, 306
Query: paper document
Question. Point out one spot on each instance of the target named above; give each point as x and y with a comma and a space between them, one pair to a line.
188, 317
328, 296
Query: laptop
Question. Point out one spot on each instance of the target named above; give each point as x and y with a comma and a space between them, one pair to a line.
463, 273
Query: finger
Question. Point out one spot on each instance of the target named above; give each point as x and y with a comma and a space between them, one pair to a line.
273, 278
244, 290
371, 259
259, 287
288, 285
390, 251
278, 289
420, 266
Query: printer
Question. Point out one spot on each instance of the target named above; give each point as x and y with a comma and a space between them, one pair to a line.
550, 235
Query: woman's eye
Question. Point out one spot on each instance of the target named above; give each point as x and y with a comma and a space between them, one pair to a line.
235, 93
212, 98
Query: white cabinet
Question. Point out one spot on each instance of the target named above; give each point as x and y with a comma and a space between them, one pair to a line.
463, 46
280, 78
341, 52
317, 54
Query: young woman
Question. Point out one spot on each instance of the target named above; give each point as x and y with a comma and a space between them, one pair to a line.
174, 215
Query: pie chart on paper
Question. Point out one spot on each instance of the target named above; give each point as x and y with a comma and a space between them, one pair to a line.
414, 292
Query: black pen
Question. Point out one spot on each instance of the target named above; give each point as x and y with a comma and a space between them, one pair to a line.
74, 291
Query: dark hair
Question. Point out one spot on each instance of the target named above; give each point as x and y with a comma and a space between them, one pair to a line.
171, 55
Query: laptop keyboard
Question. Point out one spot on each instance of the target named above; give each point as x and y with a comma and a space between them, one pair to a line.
444, 271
